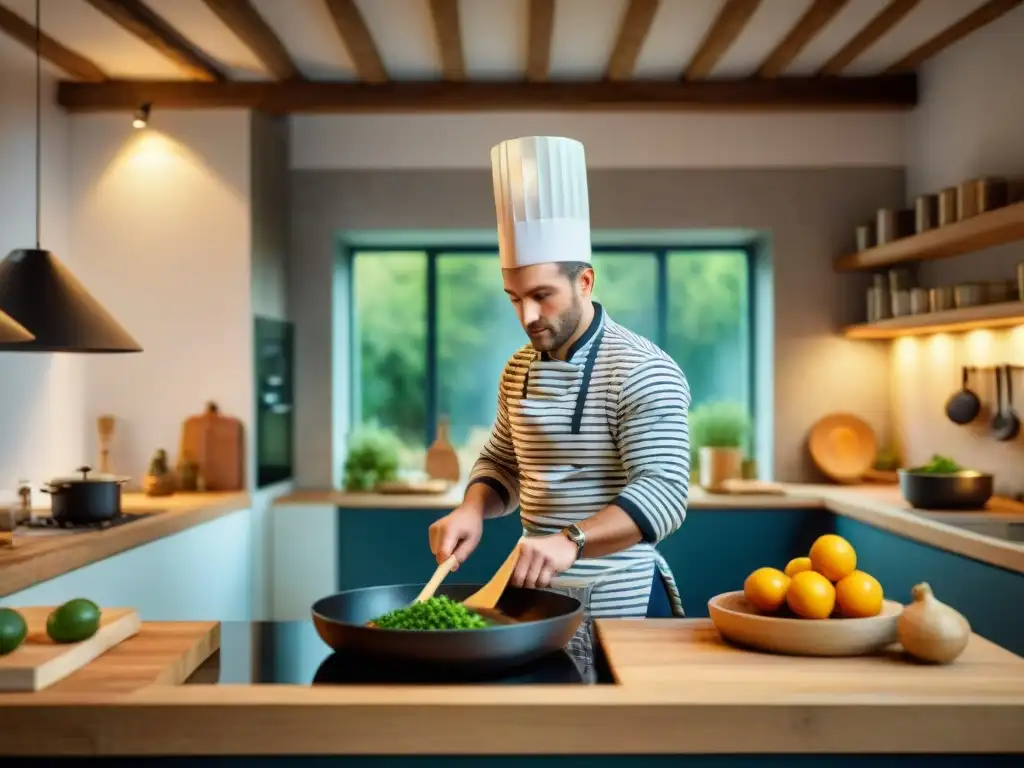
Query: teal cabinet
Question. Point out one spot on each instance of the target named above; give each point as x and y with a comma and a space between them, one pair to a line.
990, 597
392, 546
716, 549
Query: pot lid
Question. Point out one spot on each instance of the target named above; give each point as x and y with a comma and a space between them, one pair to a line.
86, 475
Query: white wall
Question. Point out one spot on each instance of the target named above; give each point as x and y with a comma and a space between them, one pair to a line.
161, 228
613, 140
40, 393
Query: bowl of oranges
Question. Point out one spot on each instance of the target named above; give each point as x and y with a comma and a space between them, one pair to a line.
818, 605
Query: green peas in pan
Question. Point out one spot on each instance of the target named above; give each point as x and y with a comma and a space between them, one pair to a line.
438, 612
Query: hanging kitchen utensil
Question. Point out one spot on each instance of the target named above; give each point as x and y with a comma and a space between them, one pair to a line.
85, 499
40, 293
964, 406
1005, 424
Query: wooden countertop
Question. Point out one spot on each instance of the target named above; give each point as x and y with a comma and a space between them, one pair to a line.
680, 690
699, 499
36, 557
879, 505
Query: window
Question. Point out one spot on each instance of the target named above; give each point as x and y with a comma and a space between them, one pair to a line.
433, 328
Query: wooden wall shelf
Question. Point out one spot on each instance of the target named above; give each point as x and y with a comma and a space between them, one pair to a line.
1003, 225
1002, 315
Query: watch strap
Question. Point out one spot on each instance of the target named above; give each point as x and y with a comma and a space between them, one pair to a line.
576, 536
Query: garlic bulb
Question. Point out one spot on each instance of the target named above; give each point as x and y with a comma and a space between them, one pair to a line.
930, 630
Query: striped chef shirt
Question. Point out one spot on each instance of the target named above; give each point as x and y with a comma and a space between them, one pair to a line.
608, 425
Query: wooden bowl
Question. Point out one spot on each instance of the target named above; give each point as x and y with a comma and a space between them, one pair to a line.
739, 622
843, 447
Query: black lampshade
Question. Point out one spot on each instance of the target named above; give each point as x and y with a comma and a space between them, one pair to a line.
40, 293
11, 332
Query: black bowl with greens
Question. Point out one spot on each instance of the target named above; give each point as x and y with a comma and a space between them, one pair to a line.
528, 624
942, 484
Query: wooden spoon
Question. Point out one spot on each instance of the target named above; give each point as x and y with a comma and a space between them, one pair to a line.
486, 598
435, 581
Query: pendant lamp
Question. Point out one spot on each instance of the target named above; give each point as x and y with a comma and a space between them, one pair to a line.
11, 332
40, 293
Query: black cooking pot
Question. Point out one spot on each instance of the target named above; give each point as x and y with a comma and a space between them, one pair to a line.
85, 499
964, 490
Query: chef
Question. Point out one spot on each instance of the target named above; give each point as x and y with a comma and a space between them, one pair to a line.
590, 440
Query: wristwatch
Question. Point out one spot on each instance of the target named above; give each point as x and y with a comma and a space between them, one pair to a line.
577, 537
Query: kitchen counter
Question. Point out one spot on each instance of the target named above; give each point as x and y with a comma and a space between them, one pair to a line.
699, 499
878, 505
678, 690
41, 555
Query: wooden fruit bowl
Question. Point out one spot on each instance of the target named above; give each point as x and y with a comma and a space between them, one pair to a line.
739, 622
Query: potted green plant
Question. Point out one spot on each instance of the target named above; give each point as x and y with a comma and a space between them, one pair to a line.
372, 458
718, 432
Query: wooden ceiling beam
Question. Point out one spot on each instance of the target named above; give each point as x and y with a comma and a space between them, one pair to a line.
633, 31
892, 92
973, 21
448, 32
136, 17
820, 13
541, 27
351, 26
252, 29
883, 21
49, 49
727, 27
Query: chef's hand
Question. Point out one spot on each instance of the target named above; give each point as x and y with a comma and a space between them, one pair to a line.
541, 558
457, 533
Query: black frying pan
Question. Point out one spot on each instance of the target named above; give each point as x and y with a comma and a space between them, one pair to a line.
531, 623
963, 407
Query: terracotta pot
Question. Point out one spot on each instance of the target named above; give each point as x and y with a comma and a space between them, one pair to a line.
718, 465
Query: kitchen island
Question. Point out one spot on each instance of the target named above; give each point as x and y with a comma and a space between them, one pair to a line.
330, 540
677, 690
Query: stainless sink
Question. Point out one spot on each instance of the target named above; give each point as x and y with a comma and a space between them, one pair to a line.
997, 529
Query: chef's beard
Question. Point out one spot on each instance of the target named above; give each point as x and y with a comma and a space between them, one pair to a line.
561, 328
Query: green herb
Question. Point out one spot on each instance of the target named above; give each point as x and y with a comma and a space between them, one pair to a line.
719, 424
372, 459
939, 465
438, 612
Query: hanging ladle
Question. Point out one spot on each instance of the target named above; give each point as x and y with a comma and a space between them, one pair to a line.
1005, 424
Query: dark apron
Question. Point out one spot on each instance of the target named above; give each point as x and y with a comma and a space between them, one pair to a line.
659, 606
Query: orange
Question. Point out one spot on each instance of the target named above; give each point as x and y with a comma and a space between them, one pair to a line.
797, 564
765, 589
859, 595
811, 595
833, 557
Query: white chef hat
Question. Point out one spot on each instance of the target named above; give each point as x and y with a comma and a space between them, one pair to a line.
540, 195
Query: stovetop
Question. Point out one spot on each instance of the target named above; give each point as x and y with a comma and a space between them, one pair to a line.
45, 522
291, 652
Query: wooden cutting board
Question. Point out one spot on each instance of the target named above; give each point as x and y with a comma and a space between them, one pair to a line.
40, 662
442, 460
214, 441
